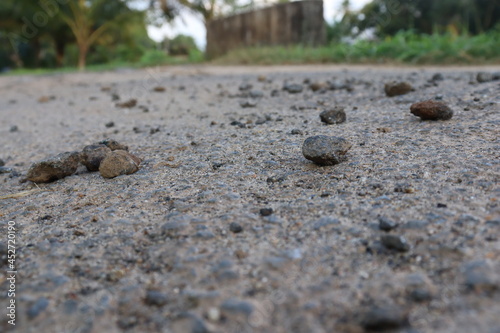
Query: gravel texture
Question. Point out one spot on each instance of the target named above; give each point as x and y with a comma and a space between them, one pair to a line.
226, 227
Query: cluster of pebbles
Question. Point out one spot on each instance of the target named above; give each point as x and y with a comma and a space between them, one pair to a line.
109, 157
314, 200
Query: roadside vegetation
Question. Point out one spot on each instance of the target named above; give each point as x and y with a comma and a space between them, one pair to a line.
49, 35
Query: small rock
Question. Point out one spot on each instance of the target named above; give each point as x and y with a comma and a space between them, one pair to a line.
173, 228
384, 318
54, 168
159, 89
92, 156
119, 162
40, 305
2, 162
296, 131
5, 170
431, 110
245, 86
262, 78
110, 124
315, 86
14, 128
397, 88
479, 276
128, 104
325, 150
483, 77
324, 222
204, 234
113, 144
265, 211
156, 298
385, 224
234, 306
437, 77
395, 242
333, 116
256, 94
249, 103
293, 88
235, 227
189, 323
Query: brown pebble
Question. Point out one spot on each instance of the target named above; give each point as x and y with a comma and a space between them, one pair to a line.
159, 89
431, 110
92, 156
315, 86
113, 144
397, 88
128, 104
54, 168
119, 162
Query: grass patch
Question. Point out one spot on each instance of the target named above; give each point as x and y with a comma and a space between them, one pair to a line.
403, 48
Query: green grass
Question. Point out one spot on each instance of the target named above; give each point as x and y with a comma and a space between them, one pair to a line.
149, 59
403, 48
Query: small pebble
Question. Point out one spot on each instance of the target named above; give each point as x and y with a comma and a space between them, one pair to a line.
384, 318
156, 298
325, 150
333, 116
54, 168
483, 77
395, 242
159, 89
92, 156
397, 88
293, 88
249, 103
128, 104
265, 211
40, 305
245, 86
296, 131
235, 227
431, 110
14, 128
109, 124
119, 162
113, 144
386, 224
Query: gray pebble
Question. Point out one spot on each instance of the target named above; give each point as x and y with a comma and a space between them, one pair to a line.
479, 276
386, 224
235, 306
296, 131
250, 103
5, 170
204, 234
324, 222
235, 227
325, 150
189, 323
245, 86
483, 77
395, 242
384, 318
256, 94
333, 116
415, 224
14, 128
156, 298
293, 88
40, 305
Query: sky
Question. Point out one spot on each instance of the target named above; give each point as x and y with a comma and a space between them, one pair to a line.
192, 25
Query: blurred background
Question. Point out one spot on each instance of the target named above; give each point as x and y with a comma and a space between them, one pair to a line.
97, 34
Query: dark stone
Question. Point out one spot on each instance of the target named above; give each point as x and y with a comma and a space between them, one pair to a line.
437, 77
296, 131
325, 150
333, 116
256, 94
93, 155
394, 242
156, 298
397, 88
14, 128
245, 86
5, 170
385, 224
483, 77
2, 162
431, 110
384, 318
54, 168
235, 227
265, 211
248, 103
110, 124
293, 88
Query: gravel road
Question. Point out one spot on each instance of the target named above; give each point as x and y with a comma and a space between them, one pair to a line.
226, 227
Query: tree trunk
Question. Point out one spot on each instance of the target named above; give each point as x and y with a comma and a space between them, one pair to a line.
60, 46
82, 56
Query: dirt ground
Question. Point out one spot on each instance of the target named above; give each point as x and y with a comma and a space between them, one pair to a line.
226, 227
